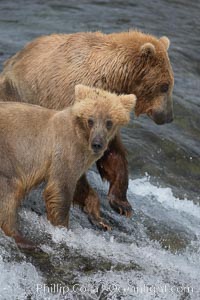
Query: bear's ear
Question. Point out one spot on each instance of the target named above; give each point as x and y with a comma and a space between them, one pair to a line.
165, 41
128, 102
148, 49
82, 92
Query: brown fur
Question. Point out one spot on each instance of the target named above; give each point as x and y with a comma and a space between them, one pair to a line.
47, 69
38, 144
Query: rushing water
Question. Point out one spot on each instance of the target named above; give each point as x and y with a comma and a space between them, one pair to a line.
156, 253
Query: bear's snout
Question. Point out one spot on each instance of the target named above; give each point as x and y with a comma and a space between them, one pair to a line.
162, 118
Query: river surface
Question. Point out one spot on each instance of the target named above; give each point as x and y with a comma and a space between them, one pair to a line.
156, 253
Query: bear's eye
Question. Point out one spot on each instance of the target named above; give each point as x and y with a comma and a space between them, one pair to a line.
164, 88
109, 124
90, 122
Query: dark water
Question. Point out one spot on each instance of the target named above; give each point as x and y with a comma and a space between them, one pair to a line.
170, 154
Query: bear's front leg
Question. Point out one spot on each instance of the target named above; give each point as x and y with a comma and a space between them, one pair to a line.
58, 197
112, 166
87, 199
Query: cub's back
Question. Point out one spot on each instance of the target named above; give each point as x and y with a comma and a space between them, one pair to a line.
21, 118
25, 137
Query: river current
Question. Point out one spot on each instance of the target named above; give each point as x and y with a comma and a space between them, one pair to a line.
156, 253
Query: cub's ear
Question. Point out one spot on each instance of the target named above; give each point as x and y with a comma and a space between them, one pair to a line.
148, 49
82, 92
165, 41
128, 102
122, 112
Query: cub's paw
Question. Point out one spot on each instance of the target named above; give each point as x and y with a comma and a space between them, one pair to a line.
25, 244
99, 223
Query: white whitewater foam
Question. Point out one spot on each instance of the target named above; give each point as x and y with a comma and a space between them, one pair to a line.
143, 187
18, 281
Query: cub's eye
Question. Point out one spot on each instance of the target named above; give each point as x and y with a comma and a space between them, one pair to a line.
109, 124
164, 88
90, 122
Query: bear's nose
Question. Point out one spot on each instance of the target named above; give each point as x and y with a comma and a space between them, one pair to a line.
97, 145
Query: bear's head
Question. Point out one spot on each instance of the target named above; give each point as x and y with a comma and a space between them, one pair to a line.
153, 79
99, 114
138, 63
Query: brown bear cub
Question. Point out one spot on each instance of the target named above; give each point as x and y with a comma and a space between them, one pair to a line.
38, 144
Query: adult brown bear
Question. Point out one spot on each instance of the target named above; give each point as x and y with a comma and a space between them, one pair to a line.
47, 69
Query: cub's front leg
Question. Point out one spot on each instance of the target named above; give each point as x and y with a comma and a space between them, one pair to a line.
58, 196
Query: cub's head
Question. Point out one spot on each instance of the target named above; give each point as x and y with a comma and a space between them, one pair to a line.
99, 114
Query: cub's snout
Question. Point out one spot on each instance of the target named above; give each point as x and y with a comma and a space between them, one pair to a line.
98, 145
